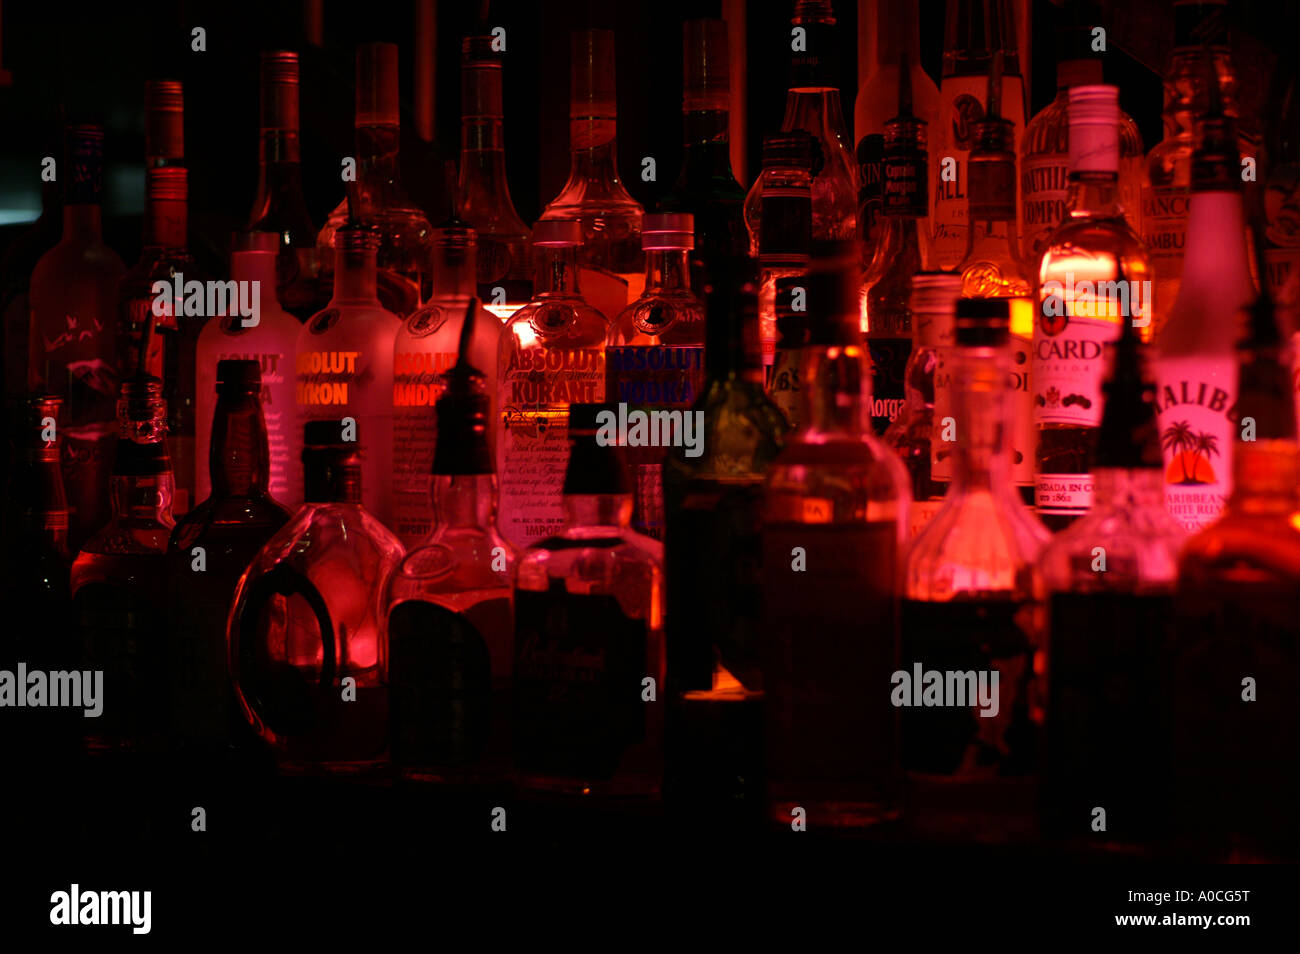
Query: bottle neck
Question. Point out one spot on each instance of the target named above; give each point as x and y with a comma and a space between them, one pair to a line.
1121, 488
835, 392
166, 222
377, 154
1216, 241
597, 162
1266, 478
464, 500
355, 275
557, 271
454, 271
1094, 194
279, 169
816, 110
981, 454
142, 501
239, 463
599, 510
83, 221
667, 270
707, 142
733, 344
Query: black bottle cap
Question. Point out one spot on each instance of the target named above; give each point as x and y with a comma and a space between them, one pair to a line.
596, 464
236, 376
463, 411
983, 322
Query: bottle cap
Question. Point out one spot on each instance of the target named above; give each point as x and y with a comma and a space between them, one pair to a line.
983, 322
557, 233
668, 230
798, 149
1094, 129
167, 183
357, 237
83, 179
164, 124
378, 102
278, 108
706, 64
592, 93
237, 376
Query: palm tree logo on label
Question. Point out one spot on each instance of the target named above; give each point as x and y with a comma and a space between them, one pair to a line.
1192, 451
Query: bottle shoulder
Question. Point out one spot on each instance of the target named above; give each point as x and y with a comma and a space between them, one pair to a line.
978, 542
660, 317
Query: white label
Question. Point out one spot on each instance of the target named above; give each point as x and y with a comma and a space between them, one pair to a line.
1195, 407
1021, 407
1063, 494
1069, 361
1044, 187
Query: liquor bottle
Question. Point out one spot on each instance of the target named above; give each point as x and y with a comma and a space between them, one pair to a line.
1200, 50
279, 205
783, 240
812, 105
271, 342
610, 254
1235, 664
73, 340
504, 241
1110, 579
552, 354
403, 278
450, 624
834, 514
791, 336
893, 47
209, 550
163, 257
976, 32
427, 346
1045, 153
972, 603
904, 249
654, 356
1094, 275
344, 361
1196, 367
119, 582
308, 650
706, 187
917, 433
588, 634
993, 268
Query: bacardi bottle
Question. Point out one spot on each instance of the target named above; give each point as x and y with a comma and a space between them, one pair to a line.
610, 253
589, 642
834, 516
308, 649
972, 606
344, 362
552, 354
1094, 275
784, 235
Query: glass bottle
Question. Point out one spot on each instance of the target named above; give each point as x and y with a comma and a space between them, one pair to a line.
552, 354
73, 340
904, 249
504, 241
271, 342
588, 634
279, 205
654, 355
308, 648
993, 268
1235, 659
1200, 50
893, 48
791, 336
1196, 368
426, 347
782, 240
610, 253
976, 34
706, 187
1094, 276
812, 105
209, 550
344, 362
119, 580
403, 278
927, 383
972, 603
1109, 578
834, 515
450, 623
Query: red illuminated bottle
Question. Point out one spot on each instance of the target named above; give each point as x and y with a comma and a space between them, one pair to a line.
279, 205
208, 552
308, 653
73, 341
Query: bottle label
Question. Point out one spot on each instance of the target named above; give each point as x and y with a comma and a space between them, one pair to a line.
579, 662
416, 389
888, 371
903, 185
1197, 416
1024, 436
783, 383
871, 154
1164, 228
1044, 188
1063, 494
1068, 363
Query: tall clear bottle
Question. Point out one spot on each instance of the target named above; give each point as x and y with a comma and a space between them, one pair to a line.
448, 607
834, 518
209, 550
552, 354
973, 602
279, 205
384, 205
73, 340
610, 254
344, 362
1196, 369
119, 581
427, 347
977, 31
306, 636
784, 239
504, 241
812, 105
1110, 589
1094, 276
272, 342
